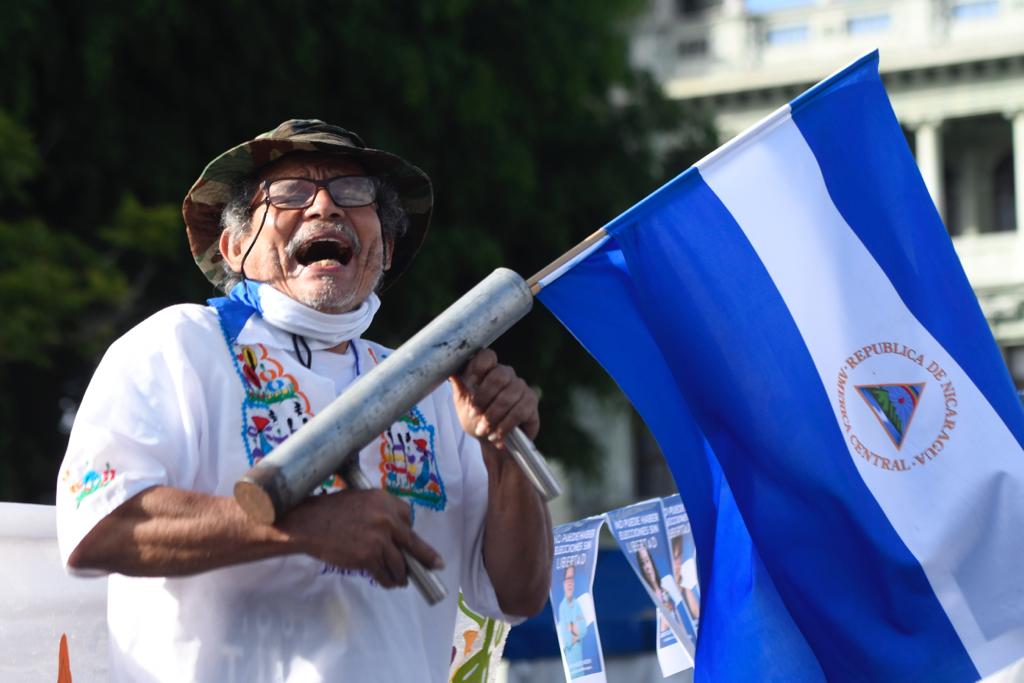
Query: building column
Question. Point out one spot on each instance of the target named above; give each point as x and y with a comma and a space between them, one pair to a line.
928, 141
1017, 123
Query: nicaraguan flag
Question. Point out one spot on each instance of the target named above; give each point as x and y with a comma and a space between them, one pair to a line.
858, 503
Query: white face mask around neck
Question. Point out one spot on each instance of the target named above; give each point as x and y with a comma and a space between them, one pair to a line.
320, 330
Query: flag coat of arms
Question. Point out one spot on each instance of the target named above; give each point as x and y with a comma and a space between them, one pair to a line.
791, 320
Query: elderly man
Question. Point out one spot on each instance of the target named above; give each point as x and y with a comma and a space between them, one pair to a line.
301, 226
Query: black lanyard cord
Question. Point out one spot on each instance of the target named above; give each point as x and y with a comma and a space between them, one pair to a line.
308, 362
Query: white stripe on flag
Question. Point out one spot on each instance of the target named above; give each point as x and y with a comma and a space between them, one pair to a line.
959, 508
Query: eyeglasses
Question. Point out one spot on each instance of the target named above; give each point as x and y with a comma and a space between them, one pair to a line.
298, 193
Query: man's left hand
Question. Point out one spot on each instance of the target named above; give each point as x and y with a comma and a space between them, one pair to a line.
491, 400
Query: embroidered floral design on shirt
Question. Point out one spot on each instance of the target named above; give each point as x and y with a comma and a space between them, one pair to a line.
408, 462
90, 482
274, 406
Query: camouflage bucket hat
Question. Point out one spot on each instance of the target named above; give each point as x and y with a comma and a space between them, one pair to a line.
205, 202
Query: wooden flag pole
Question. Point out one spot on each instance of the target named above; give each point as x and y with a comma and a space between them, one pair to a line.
534, 282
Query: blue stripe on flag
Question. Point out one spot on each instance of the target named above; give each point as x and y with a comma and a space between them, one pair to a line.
740, 604
891, 212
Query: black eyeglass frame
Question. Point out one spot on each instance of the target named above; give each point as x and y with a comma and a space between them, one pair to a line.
320, 184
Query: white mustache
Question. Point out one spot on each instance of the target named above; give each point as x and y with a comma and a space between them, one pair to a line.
322, 230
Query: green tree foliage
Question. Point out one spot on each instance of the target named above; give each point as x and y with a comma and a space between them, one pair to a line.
525, 114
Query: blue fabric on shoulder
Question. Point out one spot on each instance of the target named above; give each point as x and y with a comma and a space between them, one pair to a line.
237, 307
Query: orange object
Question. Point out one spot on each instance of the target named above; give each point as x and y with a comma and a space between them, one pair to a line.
63, 661
469, 636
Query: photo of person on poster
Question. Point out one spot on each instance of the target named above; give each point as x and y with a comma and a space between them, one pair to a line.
684, 569
575, 621
662, 595
572, 624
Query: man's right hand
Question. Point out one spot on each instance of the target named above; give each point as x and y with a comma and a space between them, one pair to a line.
362, 530
165, 531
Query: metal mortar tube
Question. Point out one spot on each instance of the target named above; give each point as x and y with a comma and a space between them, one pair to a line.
294, 469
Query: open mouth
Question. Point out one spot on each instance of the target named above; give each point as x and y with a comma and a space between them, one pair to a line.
324, 250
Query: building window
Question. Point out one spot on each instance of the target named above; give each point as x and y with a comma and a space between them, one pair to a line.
1015, 362
974, 9
787, 35
951, 200
908, 133
689, 8
1006, 218
768, 6
692, 48
872, 23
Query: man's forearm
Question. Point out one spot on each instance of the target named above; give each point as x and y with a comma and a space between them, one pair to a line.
517, 541
171, 532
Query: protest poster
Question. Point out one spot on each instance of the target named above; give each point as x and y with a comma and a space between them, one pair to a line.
684, 562
683, 586
640, 532
572, 602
